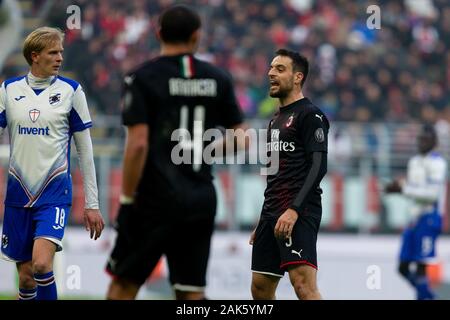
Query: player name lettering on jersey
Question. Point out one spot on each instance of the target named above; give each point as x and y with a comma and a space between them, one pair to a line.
34, 131
193, 87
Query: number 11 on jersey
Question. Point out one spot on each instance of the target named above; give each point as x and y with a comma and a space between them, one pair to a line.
198, 127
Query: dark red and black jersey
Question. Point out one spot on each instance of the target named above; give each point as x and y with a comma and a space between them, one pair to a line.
296, 131
170, 93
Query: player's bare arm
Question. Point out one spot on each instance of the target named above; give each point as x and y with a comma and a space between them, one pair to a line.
393, 187
134, 159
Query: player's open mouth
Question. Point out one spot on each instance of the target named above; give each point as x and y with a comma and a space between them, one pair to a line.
274, 83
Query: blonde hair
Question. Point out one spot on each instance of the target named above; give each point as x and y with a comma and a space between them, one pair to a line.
37, 40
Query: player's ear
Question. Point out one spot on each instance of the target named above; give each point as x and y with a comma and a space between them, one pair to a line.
34, 56
298, 77
195, 37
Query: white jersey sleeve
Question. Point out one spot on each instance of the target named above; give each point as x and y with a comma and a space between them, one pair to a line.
79, 115
426, 183
85, 153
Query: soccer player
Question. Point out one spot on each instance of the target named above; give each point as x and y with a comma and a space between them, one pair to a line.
285, 237
425, 185
169, 207
42, 111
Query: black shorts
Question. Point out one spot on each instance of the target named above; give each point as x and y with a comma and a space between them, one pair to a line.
274, 256
184, 242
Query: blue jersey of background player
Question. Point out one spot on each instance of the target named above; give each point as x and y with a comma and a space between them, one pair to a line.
425, 185
42, 112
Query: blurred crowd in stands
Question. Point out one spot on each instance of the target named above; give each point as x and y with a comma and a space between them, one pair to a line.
398, 73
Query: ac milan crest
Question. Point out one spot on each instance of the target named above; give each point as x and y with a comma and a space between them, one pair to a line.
290, 120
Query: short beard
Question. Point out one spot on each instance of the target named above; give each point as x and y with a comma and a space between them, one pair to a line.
284, 91
281, 93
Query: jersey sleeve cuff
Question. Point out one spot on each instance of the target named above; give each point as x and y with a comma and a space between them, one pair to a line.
297, 209
81, 127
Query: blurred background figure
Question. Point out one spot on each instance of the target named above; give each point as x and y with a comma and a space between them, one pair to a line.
426, 185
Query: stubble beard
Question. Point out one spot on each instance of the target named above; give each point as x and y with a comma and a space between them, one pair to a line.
280, 93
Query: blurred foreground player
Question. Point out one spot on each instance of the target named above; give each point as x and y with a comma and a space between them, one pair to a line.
425, 185
168, 207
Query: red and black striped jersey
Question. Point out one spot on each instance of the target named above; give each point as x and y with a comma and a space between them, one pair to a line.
295, 132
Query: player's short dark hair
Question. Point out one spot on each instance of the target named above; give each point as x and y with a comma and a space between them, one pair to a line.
428, 129
178, 23
299, 63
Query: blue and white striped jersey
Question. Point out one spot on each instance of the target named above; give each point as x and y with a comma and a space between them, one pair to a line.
40, 125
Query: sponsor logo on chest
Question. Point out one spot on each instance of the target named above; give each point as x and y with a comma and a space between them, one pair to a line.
276, 144
34, 115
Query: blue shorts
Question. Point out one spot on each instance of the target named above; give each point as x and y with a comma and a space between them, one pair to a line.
21, 226
419, 240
